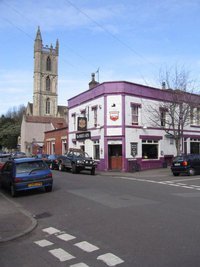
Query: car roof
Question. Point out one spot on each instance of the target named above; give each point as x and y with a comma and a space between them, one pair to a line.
5, 155
20, 160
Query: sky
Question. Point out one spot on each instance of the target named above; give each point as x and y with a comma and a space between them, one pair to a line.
126, 40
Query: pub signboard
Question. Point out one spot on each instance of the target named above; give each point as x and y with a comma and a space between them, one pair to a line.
83, 136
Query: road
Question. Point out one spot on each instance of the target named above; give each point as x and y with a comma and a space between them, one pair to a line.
100, 221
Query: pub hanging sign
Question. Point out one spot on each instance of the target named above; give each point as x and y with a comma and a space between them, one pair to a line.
82, 124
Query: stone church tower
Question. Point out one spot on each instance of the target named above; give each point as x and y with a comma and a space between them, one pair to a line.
44, 114
45, 78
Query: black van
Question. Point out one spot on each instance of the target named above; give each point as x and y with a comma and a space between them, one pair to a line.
188, 164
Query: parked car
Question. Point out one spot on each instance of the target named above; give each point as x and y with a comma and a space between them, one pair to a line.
52, 162
26, 174
3, 158
18, 154
42, 156
76, 160
188, 164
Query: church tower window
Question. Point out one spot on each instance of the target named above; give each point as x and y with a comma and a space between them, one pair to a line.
48, 105
48, 84
48, 65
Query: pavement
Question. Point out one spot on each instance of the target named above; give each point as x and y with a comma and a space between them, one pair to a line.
16, 222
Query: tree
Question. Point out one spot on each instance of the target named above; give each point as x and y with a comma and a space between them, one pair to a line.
10, 125
180, 106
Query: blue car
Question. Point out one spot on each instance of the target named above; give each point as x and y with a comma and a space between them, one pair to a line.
26, 174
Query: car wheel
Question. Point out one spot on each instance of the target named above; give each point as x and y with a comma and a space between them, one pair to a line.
175, 174
191, 172
73, 168
13, 191
93, 171
48, 188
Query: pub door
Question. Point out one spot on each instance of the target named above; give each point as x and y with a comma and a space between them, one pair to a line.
115, 157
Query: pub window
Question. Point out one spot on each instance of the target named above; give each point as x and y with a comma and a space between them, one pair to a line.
195, 116
95, 115
96, 150
162, 118
83, 112
74, 121
48, 64
135, 113
82, 147
149, 149
194, 146
48, 84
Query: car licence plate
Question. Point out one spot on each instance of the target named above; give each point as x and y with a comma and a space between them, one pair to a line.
177, 164
35, 184
88, 167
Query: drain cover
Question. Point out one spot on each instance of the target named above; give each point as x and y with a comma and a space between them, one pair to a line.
43, 215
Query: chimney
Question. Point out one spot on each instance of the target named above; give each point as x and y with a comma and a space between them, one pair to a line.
163, 85
93, 83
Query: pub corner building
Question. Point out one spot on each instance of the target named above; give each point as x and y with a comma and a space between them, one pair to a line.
112, 123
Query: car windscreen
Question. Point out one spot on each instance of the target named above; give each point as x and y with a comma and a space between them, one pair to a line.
52, 157
178, 158
24, 167
4, 159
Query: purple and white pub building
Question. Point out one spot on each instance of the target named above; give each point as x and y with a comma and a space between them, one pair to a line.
112, 123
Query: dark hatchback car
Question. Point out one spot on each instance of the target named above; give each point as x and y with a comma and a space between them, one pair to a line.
186, 164
26, 174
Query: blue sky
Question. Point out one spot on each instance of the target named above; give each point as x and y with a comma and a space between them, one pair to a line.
129, 40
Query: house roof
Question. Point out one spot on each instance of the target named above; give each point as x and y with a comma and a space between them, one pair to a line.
56, 122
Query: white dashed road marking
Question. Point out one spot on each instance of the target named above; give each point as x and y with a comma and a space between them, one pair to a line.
43, 243
66, 237
81, 264
177, 183
61, 254
51, 230
110, 259
84, 245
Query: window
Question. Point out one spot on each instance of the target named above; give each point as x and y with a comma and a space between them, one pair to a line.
195, 116
95, 115
48, 84
82, 147
48, 106
96, 150
83, 112
74, 121
135, 113
194, 146
149, 149
48, 64
162, 118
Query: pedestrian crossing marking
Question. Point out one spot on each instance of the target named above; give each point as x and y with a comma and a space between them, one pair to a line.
84, 245
43, 243
110, 259
81, 264
66, 237
51, 230
61, 254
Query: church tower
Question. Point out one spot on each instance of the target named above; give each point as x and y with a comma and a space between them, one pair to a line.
45, 95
